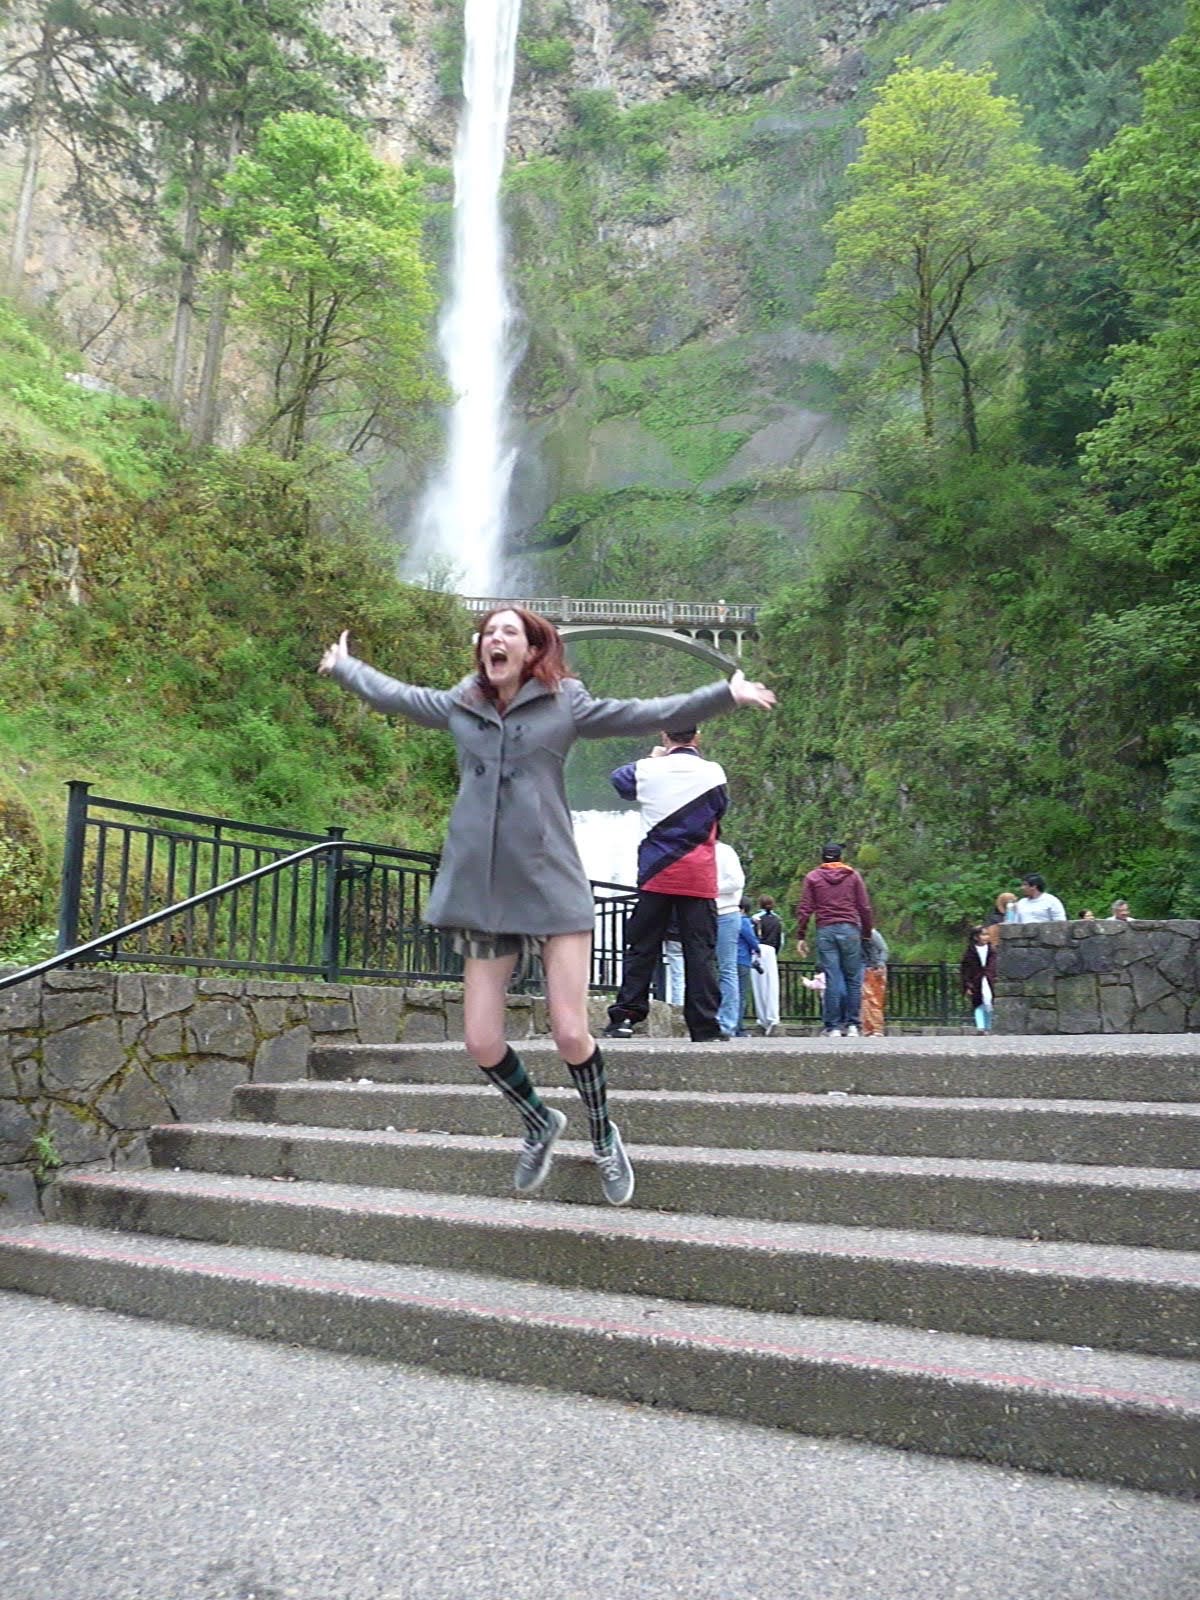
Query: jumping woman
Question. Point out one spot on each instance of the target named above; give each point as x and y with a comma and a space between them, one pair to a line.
510, 876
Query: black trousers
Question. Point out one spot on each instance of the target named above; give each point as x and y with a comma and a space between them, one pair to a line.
696, 922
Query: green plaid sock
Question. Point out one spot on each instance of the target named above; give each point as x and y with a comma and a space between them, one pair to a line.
515, 1084
590, 1081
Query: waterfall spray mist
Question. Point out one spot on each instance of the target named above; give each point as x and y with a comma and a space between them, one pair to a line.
460, 525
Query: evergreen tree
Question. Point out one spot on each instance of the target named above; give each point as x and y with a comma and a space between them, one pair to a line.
1082, 75
230, 65
69, 73
1142, 463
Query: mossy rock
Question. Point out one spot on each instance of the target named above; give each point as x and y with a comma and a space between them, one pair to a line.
22, 868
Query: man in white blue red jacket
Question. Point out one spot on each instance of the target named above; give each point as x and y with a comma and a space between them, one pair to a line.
682, 797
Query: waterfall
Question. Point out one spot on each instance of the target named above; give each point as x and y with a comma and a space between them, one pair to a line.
608, 844
460, 524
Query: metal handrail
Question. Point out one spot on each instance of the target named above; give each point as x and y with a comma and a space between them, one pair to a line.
567, 609
65, 957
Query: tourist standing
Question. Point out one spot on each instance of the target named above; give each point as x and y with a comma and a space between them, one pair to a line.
1003, 911
731, 880
747, 960
1035, 905
673, 958
510, 874
765, 979
682, 797
835, 897
874, 991
977, 972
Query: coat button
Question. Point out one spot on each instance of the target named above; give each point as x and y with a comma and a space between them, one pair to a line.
480, 769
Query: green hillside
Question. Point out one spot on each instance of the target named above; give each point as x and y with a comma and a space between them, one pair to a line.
970, 521
943, 619
162, 615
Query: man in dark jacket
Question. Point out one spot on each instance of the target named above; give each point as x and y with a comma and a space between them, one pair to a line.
836, 898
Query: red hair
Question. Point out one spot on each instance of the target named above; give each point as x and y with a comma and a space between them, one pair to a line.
546, 662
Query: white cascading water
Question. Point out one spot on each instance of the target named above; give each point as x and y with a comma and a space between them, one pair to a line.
608, 844
460, 525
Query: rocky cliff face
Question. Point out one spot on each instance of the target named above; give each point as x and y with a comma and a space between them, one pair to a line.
675, 250
640, 50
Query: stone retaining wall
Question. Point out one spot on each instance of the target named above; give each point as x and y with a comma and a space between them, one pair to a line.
90, 1061
1099, 977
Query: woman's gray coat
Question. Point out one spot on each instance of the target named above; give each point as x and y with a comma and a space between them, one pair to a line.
510, 863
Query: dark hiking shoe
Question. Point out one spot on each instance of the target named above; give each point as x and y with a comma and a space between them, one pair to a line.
536, 1154
616, 1174
618, 1030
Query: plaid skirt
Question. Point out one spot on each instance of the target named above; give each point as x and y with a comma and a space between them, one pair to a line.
475, 946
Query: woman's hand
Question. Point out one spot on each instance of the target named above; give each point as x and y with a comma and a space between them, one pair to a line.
750, 694
336, 653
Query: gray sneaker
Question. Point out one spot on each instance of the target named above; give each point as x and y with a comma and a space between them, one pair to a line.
536, 1155
616, 1174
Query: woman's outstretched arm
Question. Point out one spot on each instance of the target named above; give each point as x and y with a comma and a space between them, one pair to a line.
599, 719
429, 707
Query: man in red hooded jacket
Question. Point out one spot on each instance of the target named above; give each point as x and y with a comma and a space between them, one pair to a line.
835, 896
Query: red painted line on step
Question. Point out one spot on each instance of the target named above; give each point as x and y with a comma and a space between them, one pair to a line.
624, 1226
664, 1335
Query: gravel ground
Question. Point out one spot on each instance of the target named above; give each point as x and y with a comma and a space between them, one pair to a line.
141, 1461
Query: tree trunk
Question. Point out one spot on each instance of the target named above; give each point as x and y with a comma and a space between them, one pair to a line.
205, 425
970, 423
185, 294
926, 343
925, 362
22, 220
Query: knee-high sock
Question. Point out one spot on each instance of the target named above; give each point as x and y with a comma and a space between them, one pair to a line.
515, 1084
589, 1080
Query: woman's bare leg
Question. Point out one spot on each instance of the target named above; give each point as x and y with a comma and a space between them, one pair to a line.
567, 961
485, 990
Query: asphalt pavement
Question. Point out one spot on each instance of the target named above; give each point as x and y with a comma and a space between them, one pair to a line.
142, 1461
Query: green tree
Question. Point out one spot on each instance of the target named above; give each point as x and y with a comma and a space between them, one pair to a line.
333, 276
1082, 62
230, 65
945, 193
68, 73
1142, 463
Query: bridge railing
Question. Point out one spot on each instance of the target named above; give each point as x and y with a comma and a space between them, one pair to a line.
664, 613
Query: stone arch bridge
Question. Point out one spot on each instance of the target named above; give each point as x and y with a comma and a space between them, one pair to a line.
712, 630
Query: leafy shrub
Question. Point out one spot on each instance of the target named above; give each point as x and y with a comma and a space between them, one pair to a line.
548, 56
22, 870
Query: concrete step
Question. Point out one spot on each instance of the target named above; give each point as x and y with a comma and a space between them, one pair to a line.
1078, 1067
1094, 1132
1127, 1299
1130, 1419
1152, 1206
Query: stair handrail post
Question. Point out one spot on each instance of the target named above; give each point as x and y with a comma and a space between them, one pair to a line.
72, 869
331, 936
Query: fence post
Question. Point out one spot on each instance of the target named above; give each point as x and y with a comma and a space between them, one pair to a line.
72, 870
331, 937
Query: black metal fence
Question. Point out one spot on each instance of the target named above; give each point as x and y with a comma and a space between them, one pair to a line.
351, 911
917, 992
